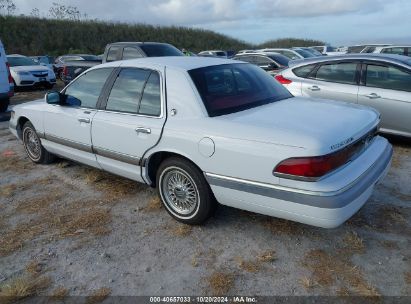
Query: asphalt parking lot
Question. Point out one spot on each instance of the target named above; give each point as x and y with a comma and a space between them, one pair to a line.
71, 230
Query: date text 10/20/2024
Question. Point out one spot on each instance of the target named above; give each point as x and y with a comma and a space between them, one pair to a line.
233, 299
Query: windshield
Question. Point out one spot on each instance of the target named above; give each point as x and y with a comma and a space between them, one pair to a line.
160, 50
303, 53
220, 54
280, 59
230, 88
20, 61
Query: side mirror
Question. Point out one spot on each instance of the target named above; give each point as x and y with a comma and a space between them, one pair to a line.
53, 97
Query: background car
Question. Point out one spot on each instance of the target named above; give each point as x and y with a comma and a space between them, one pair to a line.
376, 80
6, 82
215, 53
363, 48
326, 50
293, 54
47, 61
27, 73
61, 61
270, 62
394, 49
311, 50
132, 50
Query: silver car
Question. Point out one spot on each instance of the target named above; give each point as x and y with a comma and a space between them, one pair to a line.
376, 80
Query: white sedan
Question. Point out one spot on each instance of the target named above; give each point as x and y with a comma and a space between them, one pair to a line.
28, 73
204, 130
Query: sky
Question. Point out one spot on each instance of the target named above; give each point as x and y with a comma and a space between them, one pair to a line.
338, 22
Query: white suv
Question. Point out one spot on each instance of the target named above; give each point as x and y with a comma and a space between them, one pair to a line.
27, 73
6, 83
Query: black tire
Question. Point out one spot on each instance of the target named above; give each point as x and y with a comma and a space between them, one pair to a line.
33, 146
196, 186
49, 86
4, 104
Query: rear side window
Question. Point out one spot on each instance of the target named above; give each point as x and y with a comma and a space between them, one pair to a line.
304, 71
340, 73
131, 53
151, 101
85, 90
127, 90
395, 50
112, 53
230, 88
388, 77
160, 50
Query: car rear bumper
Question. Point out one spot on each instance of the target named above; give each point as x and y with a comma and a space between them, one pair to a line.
327, 209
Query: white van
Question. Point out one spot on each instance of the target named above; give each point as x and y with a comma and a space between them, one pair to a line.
6, 82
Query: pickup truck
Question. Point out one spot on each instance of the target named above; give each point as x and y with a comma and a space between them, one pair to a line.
71, 69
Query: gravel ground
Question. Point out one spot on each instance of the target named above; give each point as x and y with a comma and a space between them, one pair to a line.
67, 229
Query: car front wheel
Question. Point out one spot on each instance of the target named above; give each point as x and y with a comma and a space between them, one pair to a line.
184, 191
33, 146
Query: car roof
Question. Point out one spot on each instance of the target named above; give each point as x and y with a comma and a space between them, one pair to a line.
370, 56
135, 43
16, 55
184, 63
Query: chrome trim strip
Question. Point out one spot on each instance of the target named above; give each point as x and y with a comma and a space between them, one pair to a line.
117, 156
329, 200
69, 143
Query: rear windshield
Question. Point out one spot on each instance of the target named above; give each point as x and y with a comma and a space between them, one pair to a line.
160, 50
231, 88
280, 59
221, 54
303, 53
90, 58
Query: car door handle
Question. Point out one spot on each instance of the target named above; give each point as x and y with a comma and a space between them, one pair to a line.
373, 96
143, 130
314, 88
85, 120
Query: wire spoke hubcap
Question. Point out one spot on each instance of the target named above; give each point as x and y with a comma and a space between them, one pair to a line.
32, 144
180, 191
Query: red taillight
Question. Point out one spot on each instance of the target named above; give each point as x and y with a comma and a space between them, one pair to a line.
11, 82
312, 167
65, 71
281, 79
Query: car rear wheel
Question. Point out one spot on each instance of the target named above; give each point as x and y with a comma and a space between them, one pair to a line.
33, 146
184, 191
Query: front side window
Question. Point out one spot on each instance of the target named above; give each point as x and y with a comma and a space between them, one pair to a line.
85, 90
151, 101
112, 53
338, 72
388, 77
127, 90
230, 88
131, 53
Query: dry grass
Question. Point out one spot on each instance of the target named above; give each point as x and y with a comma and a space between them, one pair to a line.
267, 256
249, 266
23, 287
39, 204
114, 187
328, 269
15, 239
280, 226
220, 282
14, 163
307, 283
407, 277
353, 242
34, 267
59, 294
181, 230
390, 244
98, 295
11, 189
154, 204
75, 222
